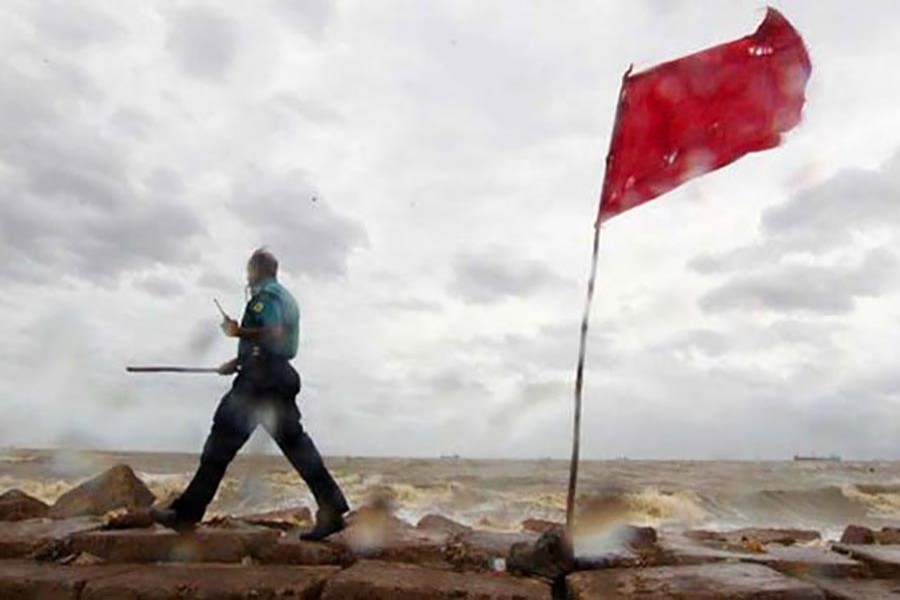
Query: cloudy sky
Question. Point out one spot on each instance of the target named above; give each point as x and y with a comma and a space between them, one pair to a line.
428, 174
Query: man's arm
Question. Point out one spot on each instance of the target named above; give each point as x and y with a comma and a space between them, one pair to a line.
229, 368
232, 329
270, 317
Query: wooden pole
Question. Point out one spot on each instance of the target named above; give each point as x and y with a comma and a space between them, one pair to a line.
579, 384
582, 347
172, 369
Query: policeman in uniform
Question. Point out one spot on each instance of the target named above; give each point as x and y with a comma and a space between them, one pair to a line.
263, 393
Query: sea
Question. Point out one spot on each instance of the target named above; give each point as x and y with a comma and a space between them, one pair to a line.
825, 495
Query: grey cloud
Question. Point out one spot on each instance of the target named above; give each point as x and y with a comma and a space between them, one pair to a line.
309, 16
132, 123
530, 396
818, 220
203, 41
552, 347
810, 334
297, 224
70, 206
158, 285
165, 181
825, 220
494, 275
312, 111
795, 287
410, 304
216, 280
73, 24
826, 215
706, 341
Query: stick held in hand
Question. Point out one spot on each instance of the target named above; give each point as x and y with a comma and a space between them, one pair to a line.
156, 369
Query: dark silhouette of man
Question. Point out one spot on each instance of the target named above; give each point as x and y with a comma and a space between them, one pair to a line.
262, 393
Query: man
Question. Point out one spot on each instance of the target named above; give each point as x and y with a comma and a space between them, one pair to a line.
263, 393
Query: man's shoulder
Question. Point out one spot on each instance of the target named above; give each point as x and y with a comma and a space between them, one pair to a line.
275, 291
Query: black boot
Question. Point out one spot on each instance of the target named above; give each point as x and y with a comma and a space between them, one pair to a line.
328, 522
168, 517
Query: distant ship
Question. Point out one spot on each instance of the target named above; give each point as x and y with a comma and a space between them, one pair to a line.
813, 457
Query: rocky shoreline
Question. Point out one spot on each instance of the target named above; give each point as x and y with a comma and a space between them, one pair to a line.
97, 543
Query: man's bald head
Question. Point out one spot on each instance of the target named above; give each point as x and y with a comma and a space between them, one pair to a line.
262, 265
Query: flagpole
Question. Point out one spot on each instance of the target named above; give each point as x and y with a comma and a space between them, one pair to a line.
585, 318
579, 384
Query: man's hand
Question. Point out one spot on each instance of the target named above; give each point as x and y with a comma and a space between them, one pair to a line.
229, 368
230, 327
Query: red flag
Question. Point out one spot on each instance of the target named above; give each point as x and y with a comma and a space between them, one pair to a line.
696, 114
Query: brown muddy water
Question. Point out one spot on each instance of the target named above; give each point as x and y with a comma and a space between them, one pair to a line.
499, 494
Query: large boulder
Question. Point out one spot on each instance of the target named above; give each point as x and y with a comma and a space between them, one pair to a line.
441, 524
539, 525
484, 550
857, 534
374, 533
113, 489
16, 505
621, 545
551, 556
888, 535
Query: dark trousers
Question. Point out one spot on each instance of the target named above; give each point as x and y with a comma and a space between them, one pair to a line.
264, 394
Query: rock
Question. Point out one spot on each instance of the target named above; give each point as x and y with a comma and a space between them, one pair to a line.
639, 538
549, 557
439, 524
39, 581
374, 580
478, 550
883, 561
284, 519
871, 589
23, 538
85, 559
762, 536
618, 546
388, 541
224, 582
375, 517
372, 532
113, 489
16, 505
888, 536
164, 545
679, 550
539, 525
128, 519
802, 562
699, 582
294, 551
857, 534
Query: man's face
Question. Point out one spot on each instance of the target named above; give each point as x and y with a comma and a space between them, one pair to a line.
253, 275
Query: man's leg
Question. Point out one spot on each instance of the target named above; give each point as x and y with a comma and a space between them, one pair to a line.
232, 425
302, 453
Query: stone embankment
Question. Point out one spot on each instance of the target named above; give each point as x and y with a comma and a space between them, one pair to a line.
98, 543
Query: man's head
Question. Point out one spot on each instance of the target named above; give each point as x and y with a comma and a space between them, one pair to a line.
262, 265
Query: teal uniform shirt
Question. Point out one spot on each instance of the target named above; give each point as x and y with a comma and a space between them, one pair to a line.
272, 306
